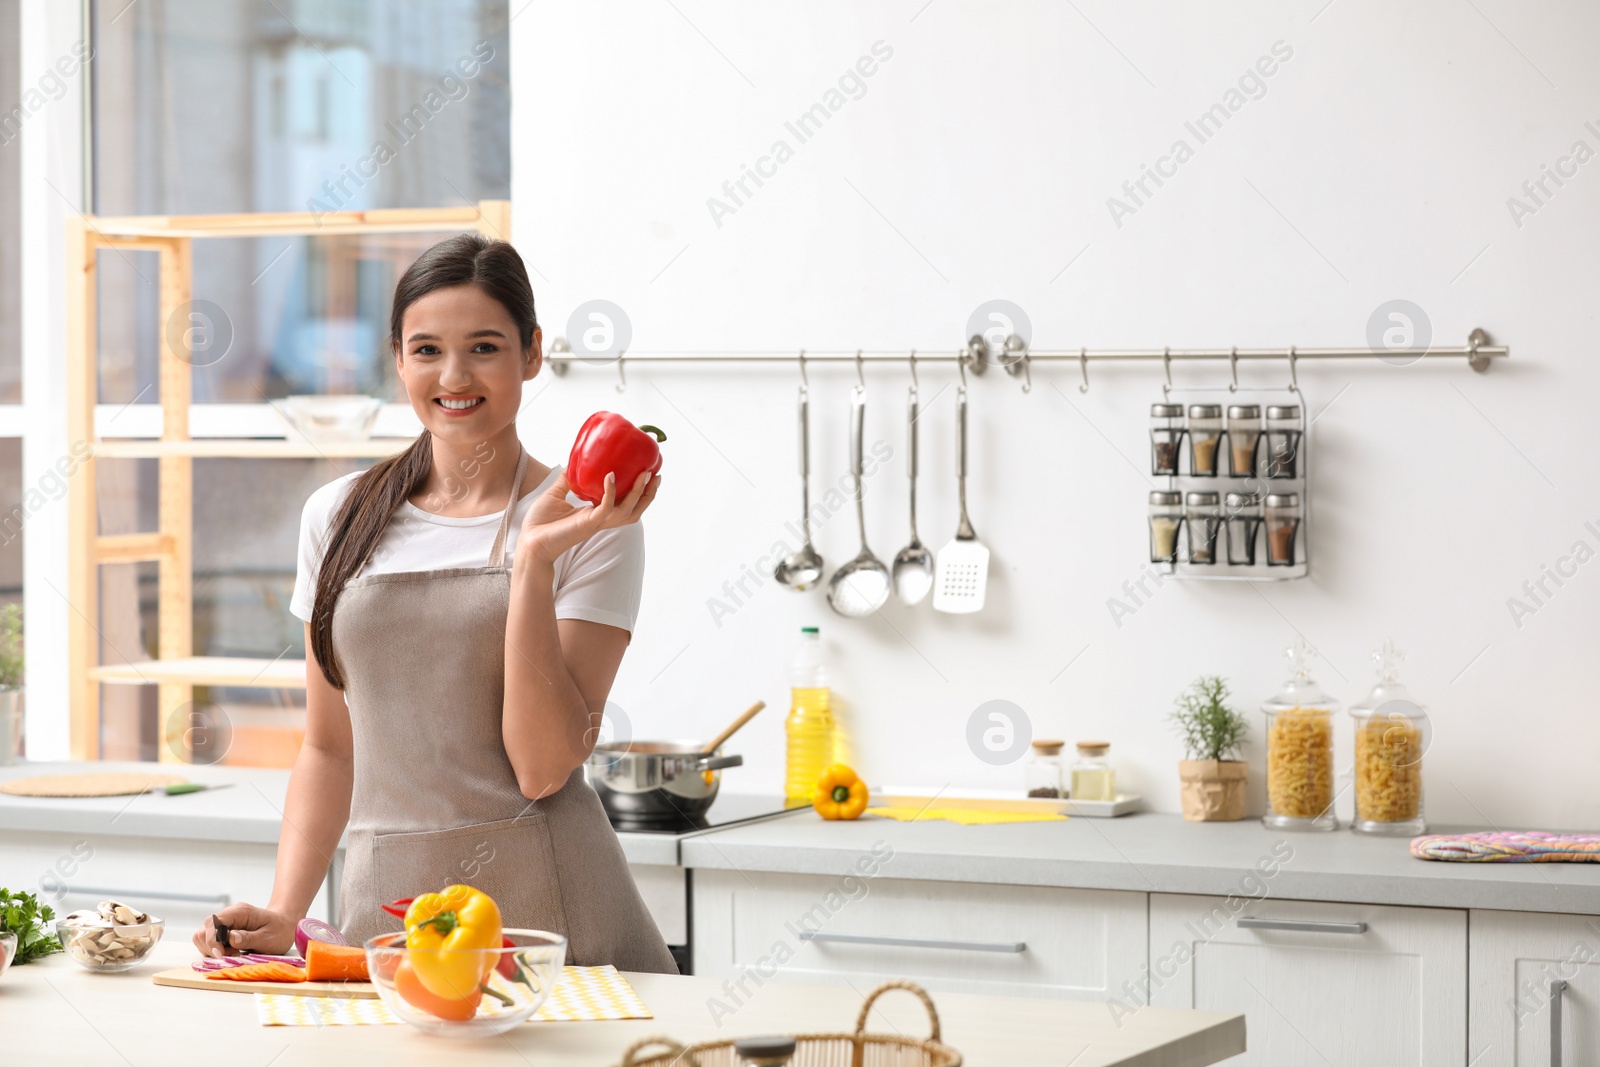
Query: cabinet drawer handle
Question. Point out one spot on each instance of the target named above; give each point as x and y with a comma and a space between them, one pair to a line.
1305, 926
1558, 986
917, 942
146, 894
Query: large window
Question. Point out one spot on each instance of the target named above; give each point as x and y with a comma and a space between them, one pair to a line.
226, 106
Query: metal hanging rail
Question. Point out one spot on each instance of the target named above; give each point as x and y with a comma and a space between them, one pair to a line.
1015, 356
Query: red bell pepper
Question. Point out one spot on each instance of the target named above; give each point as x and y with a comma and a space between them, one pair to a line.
610, 444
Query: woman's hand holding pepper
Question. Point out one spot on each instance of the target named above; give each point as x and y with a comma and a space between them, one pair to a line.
554, 525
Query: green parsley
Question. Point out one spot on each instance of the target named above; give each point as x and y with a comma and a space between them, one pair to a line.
32, 922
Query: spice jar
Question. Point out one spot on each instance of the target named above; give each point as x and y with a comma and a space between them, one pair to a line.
1205, 434
1300, 750
1166, 437
1042, 774
1392, 733
1244, 435
1282, 458
1093, 777
1283, 528
1166, 513
1203, 520
1242, 513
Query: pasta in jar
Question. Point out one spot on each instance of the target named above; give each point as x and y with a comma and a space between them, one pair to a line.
1388, 769
1300, 762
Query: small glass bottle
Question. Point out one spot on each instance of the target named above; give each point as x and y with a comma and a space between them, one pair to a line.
1042, 773
1392, 733
1243, 514
1203, 520
1244, 435
1282, 459
1166, 437
1093, 777
1166, 514
1205, 434
1300, 750
1283, 529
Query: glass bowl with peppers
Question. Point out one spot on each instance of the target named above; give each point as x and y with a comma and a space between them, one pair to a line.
455, 971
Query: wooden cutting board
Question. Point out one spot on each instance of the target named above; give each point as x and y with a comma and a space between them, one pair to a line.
107, 784
189, 978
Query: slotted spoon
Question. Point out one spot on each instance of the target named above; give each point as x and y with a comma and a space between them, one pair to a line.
961, 571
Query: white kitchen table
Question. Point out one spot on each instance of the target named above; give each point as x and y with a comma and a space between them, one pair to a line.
53, 1012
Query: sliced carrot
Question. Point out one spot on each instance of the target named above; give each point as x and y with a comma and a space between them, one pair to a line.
335, 963
261, 972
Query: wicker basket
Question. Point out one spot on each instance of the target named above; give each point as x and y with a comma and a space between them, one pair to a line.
859, 1049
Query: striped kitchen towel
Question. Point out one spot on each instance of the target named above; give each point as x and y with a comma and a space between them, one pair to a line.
1526, 847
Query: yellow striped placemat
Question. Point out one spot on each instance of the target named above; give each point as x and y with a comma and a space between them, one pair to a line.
964, 816
582, 994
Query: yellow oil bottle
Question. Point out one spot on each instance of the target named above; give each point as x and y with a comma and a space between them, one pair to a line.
809, 729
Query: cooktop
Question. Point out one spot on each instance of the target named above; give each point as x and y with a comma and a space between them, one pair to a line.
727, 809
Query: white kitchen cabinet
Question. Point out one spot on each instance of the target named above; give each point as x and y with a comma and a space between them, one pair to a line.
1518, 1006
1079, 944
1330, 984
180, 880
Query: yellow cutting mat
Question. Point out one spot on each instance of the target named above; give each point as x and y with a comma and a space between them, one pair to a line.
582, 994
965, 816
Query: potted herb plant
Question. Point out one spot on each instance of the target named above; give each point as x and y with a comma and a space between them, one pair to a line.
10, 683
1213, 777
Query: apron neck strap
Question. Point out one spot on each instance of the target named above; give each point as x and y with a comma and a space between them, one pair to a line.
497, 553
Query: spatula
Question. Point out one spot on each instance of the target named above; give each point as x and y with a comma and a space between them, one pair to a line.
961, 571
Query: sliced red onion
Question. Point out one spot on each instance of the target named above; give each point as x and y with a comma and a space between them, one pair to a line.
217, 963
307, 930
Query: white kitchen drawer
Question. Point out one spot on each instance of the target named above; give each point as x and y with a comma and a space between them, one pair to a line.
179, 880
666, 896
1336, 984
1077, 944
1515, 1010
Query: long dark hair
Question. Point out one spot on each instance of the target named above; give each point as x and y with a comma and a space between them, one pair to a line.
373, 498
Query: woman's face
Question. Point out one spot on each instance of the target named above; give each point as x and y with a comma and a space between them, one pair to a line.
462, 363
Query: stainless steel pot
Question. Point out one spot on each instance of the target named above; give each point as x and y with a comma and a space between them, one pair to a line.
656, 781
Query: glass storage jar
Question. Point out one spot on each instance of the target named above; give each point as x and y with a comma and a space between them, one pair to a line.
1244, 437
1300, 750
1242, 514
1392, 733
1166, 513
1283, 529
1093, 777
1282, 459
1166, 437
1042, 773
1205, 434
1203, 521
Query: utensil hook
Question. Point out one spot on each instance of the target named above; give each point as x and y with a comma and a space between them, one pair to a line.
861, 381
622, 377
1016, 361
913, 359
1294, 375
961, 365
1233, 369
1083, 369
1166, 366
805, 383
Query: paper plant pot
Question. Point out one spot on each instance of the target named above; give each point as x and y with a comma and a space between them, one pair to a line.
1213, 790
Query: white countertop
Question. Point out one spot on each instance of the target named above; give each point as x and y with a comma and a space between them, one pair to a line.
1157, 854
54, 1012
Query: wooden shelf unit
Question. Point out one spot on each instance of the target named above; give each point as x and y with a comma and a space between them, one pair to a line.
176, 670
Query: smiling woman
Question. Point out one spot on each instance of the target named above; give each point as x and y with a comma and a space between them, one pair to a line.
459, 657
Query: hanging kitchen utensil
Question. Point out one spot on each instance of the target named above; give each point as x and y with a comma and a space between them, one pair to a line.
861, 586
803, 569
732, 728
961, 573
913, 564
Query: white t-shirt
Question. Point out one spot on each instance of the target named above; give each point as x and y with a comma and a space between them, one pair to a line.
598, 579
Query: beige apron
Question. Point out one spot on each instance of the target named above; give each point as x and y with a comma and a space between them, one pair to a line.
435, 799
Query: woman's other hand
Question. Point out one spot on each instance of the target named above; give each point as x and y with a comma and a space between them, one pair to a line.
250, 929
554, 525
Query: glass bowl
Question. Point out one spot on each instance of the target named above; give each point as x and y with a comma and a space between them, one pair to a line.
108, 949
519, 980
330, 418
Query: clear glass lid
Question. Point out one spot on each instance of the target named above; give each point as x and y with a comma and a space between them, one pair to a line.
1389, 696
1300, 690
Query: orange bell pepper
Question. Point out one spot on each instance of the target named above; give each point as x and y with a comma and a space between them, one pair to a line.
840, 793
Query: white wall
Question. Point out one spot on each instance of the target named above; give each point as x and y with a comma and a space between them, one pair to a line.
978, 164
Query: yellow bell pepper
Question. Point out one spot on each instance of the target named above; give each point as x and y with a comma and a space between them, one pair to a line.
447, 932
840, 794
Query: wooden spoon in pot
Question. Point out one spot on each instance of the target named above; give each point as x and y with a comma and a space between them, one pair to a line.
732, 728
